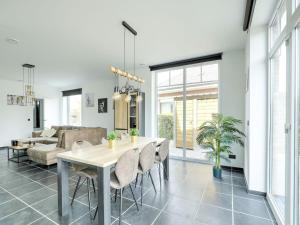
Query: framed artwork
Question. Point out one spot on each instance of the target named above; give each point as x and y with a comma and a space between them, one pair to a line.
102, 105
89, 99
12, 99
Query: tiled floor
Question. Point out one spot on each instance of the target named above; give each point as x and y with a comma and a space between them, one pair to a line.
28, 195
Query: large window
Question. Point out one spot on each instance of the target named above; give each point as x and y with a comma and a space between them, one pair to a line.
186, 97
284, 114
71, 107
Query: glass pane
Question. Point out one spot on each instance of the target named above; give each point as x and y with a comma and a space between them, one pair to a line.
163, 79
176, 77
298, 152
278, 118
75, 110
193, 74
170, 111
278, 23
210, 72
65, 111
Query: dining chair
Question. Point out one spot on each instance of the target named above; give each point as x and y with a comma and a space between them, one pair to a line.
146, 163
124, 174
89, 174
160, 157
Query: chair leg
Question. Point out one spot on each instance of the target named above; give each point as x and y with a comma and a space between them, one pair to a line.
93, 185
134, 197
76, 189
142, 187
159, 171
121, 207
95, 213
152, 181
89, 196
116, 195
136, 180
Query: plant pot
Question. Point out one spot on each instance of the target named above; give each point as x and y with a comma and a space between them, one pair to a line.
217, 172
111, 143
133, 139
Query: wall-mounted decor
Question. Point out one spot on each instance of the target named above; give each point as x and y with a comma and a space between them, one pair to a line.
89, 99
102, 105
11, 99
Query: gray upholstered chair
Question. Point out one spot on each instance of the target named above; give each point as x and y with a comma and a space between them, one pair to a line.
124, 174
89, 174
161, 155
146, 163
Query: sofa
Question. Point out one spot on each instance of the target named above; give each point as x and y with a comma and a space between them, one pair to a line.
66, 135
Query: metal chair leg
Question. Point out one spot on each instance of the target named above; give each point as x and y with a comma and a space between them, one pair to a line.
116, 195
89, 196
95, 213
152, 181
93, 185
121, 207
76, 189
136, 180
134, 197
142, 187
159, 173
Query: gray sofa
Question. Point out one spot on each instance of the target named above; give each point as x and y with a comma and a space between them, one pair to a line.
46, 153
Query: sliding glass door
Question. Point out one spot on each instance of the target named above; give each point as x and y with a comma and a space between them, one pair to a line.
185, 98
278, 121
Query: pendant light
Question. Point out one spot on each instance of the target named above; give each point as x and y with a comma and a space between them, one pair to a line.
28, 84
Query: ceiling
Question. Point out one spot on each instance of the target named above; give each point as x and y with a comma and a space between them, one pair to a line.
71, 41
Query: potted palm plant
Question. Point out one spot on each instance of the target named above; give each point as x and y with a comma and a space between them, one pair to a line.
111, 137
218, 135
133, 133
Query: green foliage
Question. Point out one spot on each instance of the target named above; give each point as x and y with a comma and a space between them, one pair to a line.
112, 135
166, 126
134, 132
219, 134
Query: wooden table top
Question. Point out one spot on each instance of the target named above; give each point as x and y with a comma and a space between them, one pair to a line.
101, 155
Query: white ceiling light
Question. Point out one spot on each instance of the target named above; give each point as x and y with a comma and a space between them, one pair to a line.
12, 41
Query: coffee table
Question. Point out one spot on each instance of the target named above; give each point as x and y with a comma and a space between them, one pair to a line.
20, 150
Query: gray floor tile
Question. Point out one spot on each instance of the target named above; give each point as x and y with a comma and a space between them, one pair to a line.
181, 207
238, 181
213, 216
22, 217
242, 219
38, 195
5, 196
17, 181
219, 187
48, 180
217, 199
47, 206
144, 216
252, 207
43, 221
75, 212
242, 192
157, 200
172, 219
115, 206
26, 188
10, 207
41, 175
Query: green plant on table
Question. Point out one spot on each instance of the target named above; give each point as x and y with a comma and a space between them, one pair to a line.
134, 132
112, 136
218, 135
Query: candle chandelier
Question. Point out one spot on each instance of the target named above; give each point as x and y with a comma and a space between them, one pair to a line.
28, 84
123, 73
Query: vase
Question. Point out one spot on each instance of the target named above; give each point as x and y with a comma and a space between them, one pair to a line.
217, 172
111, 143
133, 139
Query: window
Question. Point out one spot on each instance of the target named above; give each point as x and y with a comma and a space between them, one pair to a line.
71, 107
278, 23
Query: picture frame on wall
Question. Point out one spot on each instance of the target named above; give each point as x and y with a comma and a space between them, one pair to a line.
89, 99
12, 99
102, 105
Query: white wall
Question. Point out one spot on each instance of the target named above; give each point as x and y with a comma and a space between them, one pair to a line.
17, 121
256, 109
232, 95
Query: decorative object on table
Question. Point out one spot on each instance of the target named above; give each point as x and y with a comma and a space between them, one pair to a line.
133, 134
89, 99
111, 137
128, 88
102, 105
14, 143
218, 135
21, 100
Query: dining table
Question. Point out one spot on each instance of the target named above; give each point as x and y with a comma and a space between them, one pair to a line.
102, 158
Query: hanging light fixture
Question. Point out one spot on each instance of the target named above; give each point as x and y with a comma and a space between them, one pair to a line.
130, 77
28, 84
